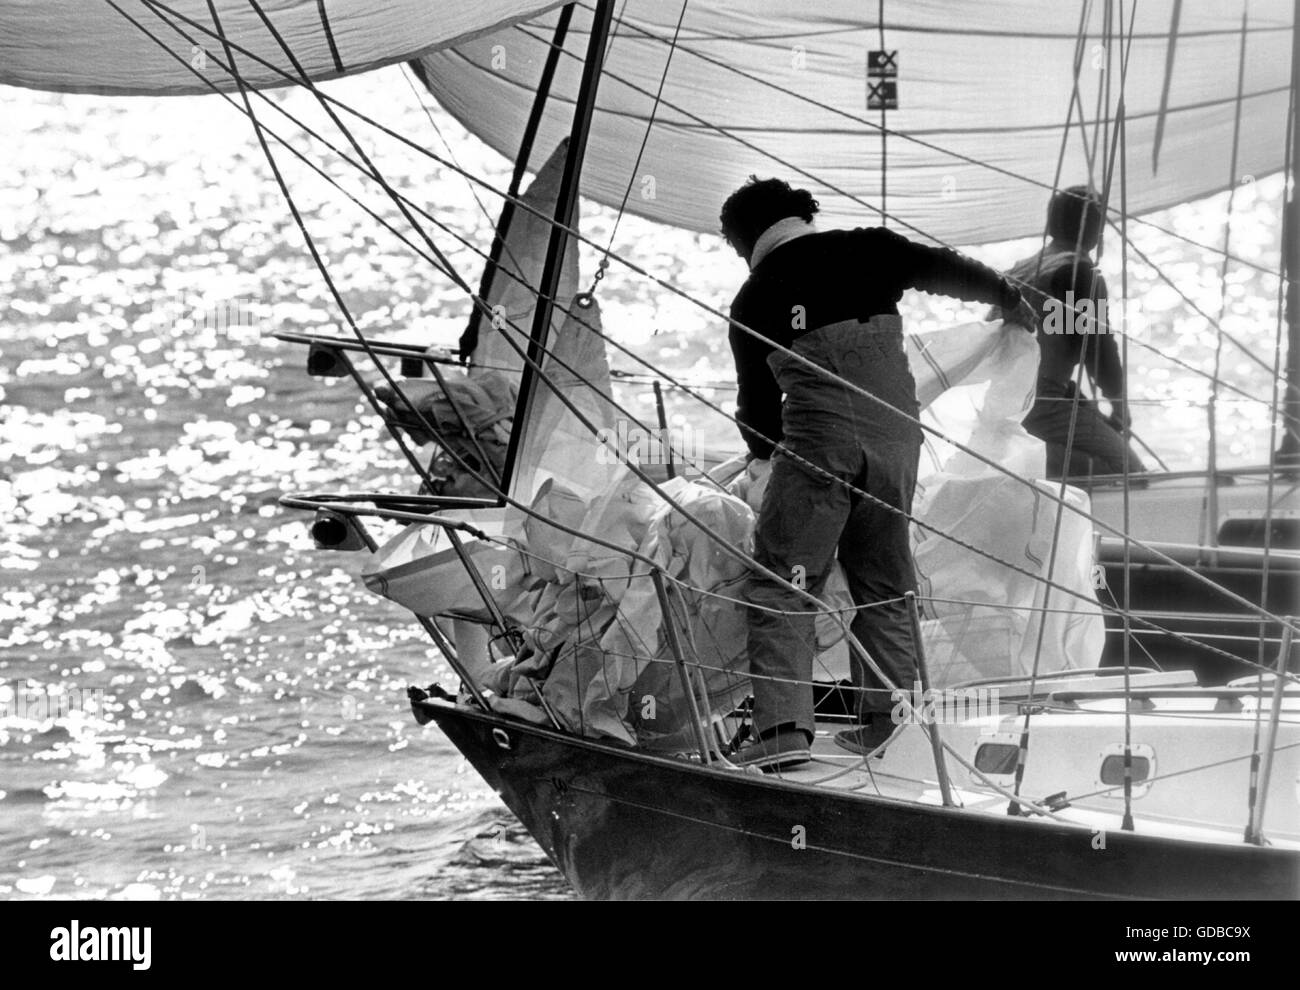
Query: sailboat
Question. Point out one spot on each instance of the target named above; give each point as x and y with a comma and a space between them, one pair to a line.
580, 568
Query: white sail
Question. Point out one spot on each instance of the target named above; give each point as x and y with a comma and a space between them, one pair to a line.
984, 92
104, 46
777, 88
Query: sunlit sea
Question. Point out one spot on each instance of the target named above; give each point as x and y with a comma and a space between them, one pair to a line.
233, 721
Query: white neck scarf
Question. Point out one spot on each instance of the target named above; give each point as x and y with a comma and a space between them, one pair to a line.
778, 234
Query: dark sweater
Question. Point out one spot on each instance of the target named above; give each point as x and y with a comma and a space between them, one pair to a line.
1062, 352
835, 275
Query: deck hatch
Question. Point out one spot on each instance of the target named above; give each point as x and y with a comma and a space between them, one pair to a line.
995, 757
1112, 769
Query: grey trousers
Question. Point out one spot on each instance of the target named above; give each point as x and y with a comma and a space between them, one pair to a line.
1097, 448
809, 516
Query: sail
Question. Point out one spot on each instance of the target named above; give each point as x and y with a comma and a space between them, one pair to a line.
983, 594
984, 93
106, 48
517, 280
555, 444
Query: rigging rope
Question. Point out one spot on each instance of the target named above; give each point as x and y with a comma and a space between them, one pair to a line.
603, 265
1211, 530
1098, 117
1127, 823
912, 138
1291, 170
407, 74
726, 546
582, 238
321, 96
1099, 122
1022, 751
297, 217
361, 337
884, 131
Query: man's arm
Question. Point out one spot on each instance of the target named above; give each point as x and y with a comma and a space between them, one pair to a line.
758, 396
1102, 360
1107, 373
946, 272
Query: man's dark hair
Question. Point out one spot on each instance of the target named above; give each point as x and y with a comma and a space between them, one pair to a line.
758, 204
1074, 217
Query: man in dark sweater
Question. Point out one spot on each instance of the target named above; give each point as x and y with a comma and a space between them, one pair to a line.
1062, 281
843, 464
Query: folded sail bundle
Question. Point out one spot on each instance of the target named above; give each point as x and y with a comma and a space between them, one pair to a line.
983, 596
472, 419
596, 649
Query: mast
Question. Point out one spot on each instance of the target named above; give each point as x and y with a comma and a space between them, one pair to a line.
566, 212
1289, 451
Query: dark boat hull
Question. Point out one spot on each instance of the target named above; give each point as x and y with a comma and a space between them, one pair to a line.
620, 823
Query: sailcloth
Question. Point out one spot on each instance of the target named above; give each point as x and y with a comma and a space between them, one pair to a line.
105, 46
555, 443
512, 297
560, 468
984, 91
984, 594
